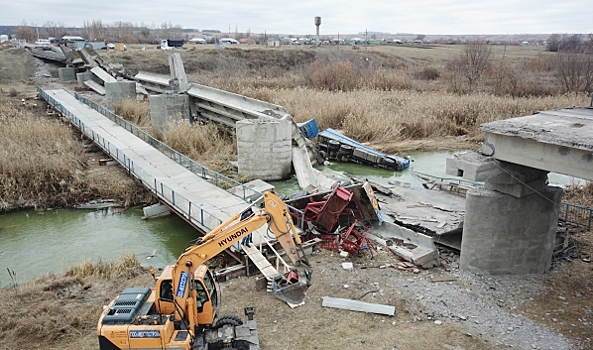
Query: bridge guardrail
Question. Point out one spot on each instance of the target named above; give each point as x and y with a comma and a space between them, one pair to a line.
576, 215
205, 173
191, 211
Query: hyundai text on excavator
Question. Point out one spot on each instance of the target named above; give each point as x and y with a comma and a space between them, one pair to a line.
180, 311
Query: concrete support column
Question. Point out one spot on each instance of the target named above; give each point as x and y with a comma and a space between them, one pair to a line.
178, 76
118, 91
67, 74
503, 234
167, 109
264, 148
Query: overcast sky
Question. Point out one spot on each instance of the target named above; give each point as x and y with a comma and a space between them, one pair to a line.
454, 17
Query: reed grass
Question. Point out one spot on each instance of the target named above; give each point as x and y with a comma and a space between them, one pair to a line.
128, 267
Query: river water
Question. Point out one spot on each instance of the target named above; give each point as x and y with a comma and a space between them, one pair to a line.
33, 243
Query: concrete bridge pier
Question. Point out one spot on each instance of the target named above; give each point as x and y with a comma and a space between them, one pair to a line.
506, 235
168, 109
118, 91
510, 225
264, 147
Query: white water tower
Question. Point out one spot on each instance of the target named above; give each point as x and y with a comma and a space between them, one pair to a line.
317, 24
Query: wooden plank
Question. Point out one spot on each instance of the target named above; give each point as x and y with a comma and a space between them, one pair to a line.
355, 305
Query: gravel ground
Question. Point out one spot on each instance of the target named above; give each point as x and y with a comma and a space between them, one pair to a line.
485, 305
469, 312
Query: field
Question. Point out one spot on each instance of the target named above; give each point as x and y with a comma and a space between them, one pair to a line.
397, 98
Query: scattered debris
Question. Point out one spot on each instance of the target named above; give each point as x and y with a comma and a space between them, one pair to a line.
350, 240
436, 279
347, 266
100, 204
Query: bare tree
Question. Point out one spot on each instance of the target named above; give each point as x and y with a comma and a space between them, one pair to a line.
476, 59
574, 70
553, 42
454, 74
95, 30
470, 64
54, 29
25, 32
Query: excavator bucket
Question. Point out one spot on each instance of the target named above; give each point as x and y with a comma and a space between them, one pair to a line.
290, 288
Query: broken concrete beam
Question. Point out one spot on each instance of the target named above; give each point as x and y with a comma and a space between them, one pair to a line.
355, 305
96, 87
102, 74
178, 73
413, 247
303, 169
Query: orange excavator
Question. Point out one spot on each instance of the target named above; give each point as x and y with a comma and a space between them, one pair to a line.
181, 311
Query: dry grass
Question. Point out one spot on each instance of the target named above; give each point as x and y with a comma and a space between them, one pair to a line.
384, 117
15, 65
128, 267
43, 164
208, 144
579, 194
136, 112
40, 161
61, 312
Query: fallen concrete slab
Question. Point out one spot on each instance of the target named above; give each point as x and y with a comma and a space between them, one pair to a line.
412, 246
303, 169
355, 305
96, 87
102, 74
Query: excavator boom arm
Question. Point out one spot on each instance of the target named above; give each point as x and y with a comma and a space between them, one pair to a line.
275, 214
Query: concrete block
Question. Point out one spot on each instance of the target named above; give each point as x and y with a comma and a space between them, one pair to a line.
168, 109
516, 180
82, 77
118, 91
156, 210
471, 166
264, 148
67, 74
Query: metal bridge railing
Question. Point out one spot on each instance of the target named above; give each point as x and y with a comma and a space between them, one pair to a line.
191, 211
205, 173
576, 215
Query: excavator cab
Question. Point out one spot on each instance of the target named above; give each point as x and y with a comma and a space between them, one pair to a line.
207, 294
